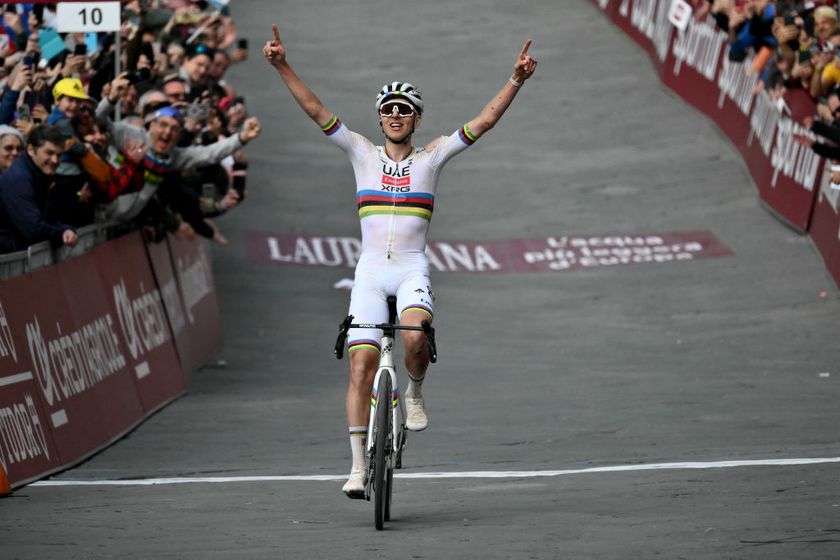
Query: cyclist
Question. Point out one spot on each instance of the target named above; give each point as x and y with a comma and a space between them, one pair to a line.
395, 193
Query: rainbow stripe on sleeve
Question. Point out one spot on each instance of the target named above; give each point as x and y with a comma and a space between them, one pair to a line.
466, 135
332, 126
372, 203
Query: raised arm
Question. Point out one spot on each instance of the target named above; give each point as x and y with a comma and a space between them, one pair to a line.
493, 111
275, 54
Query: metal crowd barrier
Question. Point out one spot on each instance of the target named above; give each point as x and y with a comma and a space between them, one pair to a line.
42, 254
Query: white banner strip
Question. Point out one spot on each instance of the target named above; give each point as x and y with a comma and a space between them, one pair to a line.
18, 378
440, 475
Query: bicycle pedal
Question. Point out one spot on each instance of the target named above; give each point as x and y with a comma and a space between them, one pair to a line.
355, 494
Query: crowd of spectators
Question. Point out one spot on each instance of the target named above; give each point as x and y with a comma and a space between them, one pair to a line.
790, 45
156, 147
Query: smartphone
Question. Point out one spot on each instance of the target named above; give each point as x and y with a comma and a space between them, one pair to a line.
239, 176
148, 50
242, 44
24, 114
139, 75
30, 99
80, 49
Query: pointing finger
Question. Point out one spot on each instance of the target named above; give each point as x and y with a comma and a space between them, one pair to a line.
525, 48
276, 32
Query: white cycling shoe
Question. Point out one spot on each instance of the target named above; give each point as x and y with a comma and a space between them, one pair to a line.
415, 414
355, 485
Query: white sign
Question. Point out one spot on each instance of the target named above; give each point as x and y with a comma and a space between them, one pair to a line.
85, 17
680, 14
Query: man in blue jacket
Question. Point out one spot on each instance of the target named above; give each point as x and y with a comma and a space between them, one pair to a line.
23, 194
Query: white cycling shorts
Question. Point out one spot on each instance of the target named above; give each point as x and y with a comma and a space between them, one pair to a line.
405, 275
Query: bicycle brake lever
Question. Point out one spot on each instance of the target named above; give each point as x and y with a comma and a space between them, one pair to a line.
342, 337
430, 339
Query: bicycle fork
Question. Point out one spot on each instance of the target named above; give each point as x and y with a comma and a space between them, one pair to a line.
395, 401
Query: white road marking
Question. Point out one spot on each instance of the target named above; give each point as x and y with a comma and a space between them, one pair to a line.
441, 475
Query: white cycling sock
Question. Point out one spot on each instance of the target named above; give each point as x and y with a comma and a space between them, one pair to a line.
358, 440
413, 390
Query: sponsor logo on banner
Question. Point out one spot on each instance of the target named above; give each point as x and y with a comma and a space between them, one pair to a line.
650, 17
196, 280
529, 255
22, 433
69, 363
792, 159
736, 83
699, 48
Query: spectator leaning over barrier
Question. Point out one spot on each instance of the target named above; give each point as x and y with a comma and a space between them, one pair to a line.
11, 146
163, 157
751, 26
23, 194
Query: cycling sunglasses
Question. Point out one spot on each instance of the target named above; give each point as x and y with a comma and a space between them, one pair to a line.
403, 108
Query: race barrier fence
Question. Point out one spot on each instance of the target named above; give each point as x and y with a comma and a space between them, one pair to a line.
694, 63
92, 345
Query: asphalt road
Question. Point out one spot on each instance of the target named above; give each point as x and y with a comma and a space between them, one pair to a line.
595, 401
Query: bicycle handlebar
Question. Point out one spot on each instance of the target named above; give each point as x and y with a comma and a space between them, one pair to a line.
348, 324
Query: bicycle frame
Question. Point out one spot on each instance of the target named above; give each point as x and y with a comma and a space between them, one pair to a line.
396, 401
392, 445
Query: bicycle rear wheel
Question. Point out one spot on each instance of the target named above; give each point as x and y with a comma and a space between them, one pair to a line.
381, 434
389, 486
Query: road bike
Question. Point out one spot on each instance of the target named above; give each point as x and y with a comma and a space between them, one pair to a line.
386, 427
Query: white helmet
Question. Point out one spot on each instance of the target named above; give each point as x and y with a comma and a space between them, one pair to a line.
402, 90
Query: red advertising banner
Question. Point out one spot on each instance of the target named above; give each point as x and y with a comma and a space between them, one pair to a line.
193, 270
173, 304
68, 361
109, 382
27, 448
141, 322
825, 229
695, 64
87, 349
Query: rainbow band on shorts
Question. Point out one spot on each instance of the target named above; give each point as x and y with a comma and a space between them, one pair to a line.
418, 307
357, 344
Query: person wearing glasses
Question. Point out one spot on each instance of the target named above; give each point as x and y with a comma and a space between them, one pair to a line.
395, 196
11, 146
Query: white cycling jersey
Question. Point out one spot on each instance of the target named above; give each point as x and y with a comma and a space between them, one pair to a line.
395, 199
395, 202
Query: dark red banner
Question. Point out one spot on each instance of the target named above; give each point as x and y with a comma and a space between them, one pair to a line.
137, 307
560, 253
27, 449
694, 63
87, 350
192, 267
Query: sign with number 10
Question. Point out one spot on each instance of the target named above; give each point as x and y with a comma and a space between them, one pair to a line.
85, 17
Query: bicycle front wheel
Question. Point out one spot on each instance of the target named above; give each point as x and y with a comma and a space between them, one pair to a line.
381, 434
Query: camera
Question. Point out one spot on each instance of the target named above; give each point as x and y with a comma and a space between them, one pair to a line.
139, 75
197, 111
